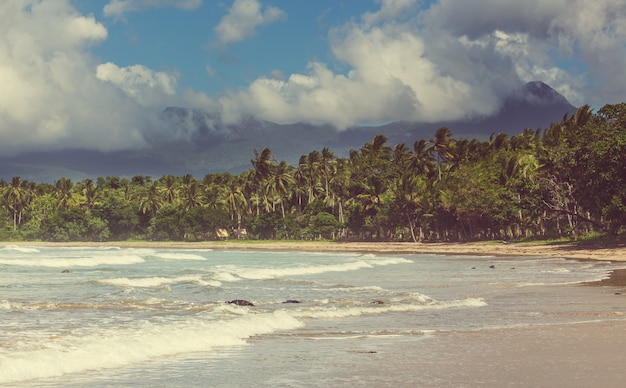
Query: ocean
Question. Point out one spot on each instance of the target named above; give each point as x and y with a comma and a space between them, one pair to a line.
117, 317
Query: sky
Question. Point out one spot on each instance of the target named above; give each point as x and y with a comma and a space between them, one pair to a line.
95, 74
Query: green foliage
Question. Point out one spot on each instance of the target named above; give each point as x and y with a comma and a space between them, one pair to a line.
201, 222
323, 225
73, 225
167, 225
266, 225
564, 182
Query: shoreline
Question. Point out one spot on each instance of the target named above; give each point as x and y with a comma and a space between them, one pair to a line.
614, 253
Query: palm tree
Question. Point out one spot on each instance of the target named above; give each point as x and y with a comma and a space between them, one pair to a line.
310, 166
326, 167
65, 194
168, 190
441, 146
192, 195
402, 157
377, 149
152, 201
91, 192
234, 197
263, 168
211, 186
281, 183
423, 161
17, 197
408, 191
339, 184
300, 181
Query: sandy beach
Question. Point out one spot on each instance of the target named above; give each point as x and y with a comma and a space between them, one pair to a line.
526, 335
613, 252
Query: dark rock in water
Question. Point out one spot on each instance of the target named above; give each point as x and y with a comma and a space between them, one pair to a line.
65, 271
492, 266
291, 301
240, 302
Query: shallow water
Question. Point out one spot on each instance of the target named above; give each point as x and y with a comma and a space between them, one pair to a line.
158, 317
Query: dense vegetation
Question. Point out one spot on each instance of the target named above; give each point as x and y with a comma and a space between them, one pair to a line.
566, 180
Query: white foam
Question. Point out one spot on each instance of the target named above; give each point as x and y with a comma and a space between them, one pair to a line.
238, 273
178, 256
75, 262
18, 248
158, 281
121, 347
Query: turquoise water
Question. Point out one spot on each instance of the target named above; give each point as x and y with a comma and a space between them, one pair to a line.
159, 317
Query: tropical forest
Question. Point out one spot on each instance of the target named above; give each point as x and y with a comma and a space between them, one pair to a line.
564, 181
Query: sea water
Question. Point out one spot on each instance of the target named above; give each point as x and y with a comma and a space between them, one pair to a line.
159, 317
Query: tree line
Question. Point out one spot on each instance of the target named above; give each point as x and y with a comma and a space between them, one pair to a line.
565, 180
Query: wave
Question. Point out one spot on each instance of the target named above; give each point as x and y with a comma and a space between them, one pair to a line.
147, 304
237, 273
74, 262
178, 256
118, 347
158, 281
21, 249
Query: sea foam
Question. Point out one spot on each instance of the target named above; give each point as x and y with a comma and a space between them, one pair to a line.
122, 347
237, 273
158, 281
93, 261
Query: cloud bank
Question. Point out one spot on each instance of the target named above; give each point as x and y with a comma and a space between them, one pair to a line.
456, 59
51, 97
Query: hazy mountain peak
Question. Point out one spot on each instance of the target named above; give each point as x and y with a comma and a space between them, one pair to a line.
541, 93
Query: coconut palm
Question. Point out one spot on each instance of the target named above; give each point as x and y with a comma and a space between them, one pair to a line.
152, 201
64, 190
16, 197
423, 161
310, 166
91, 193
441, 147
262, 170
280, 183
191, 194
168, 190
232, 193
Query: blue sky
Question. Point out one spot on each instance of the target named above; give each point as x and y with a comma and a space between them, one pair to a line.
95, 74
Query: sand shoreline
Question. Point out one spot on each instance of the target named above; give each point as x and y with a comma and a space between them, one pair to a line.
566, 251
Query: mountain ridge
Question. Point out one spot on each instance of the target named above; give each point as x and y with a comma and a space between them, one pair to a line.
207, 145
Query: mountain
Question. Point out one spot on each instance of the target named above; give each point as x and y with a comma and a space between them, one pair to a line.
207, 145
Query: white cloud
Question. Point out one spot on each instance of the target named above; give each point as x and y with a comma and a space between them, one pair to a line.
51, 97
242, 20
549, 37
457, 59
144, 85
394, 74
117, 8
